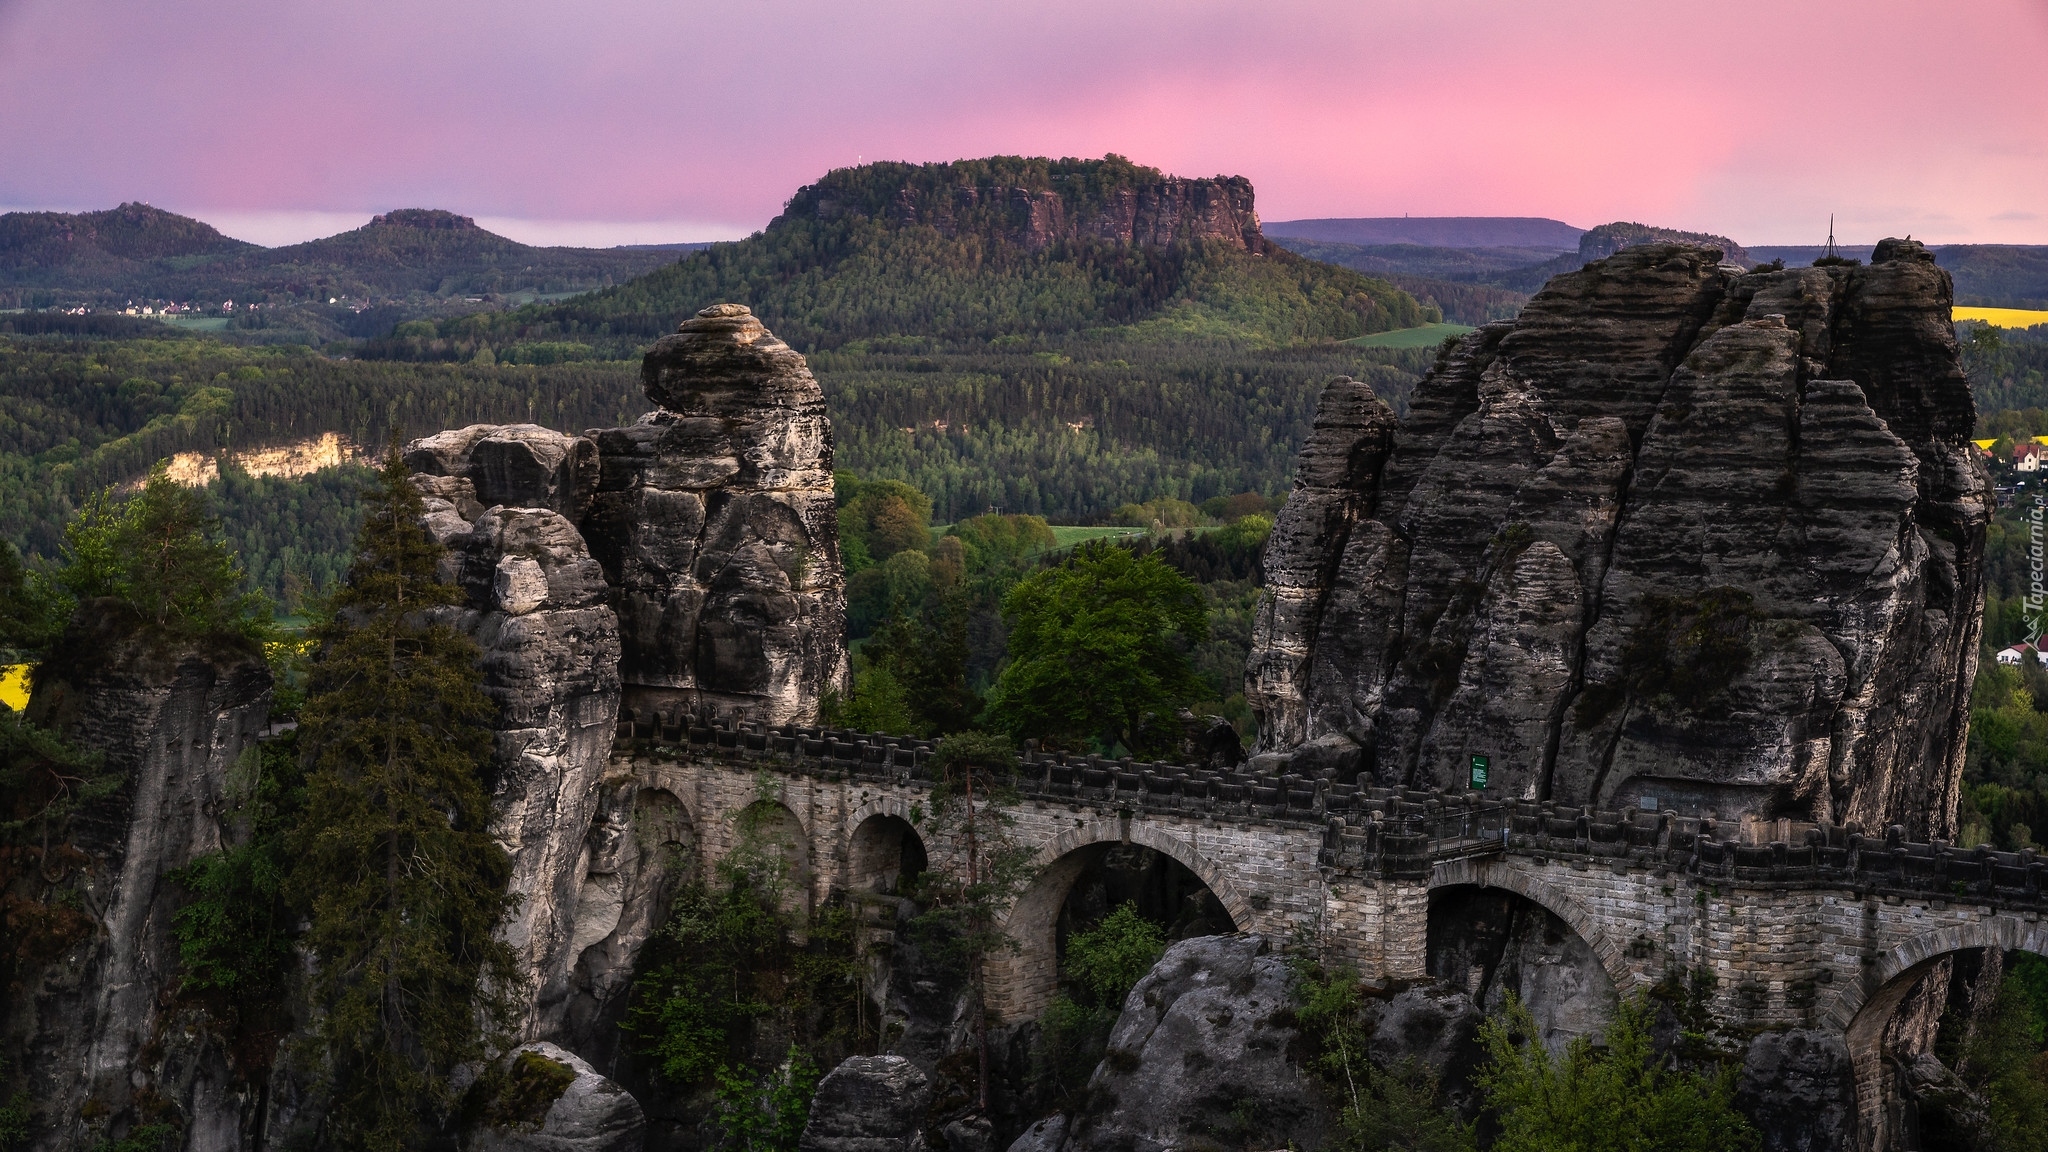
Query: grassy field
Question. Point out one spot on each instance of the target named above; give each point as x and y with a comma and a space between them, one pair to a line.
1070, 535
1427, 336
1997, 317
198, 323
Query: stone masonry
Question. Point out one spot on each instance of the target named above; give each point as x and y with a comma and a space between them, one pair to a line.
1801, 925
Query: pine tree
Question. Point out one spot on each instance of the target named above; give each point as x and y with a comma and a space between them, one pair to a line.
404, 882
163, 556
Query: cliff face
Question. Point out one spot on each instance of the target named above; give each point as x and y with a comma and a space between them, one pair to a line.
96, 1028
1677, 536
1033, 204
1155, 213
685, 565
538, 607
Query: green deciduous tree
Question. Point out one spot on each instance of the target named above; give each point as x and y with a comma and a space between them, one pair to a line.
394, 859
1098, 969
1384, 1109
1097, 645
1619, 1097
1106, 960
741, 968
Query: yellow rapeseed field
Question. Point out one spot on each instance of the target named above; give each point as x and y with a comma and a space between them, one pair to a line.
2003, 317
14, 686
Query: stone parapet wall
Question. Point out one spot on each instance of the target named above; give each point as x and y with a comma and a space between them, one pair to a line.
1368, 830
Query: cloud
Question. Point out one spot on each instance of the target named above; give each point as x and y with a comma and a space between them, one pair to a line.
1753, 122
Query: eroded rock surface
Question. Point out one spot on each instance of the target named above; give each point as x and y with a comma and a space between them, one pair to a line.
1678, 536
591, 1115
538, 608
716, 526
95, 1030
1200, 1057
1799, 1090
868, 1104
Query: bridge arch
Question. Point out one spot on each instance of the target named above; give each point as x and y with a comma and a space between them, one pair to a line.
779, 835
1866, 1007
1551, 898
884, 845
1021, 983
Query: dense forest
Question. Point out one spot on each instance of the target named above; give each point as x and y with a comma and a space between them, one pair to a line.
1007, 428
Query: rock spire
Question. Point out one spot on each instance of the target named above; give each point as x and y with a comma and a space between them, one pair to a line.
1678, 537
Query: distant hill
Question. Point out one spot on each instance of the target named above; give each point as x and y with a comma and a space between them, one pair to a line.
1550, 236
1469, 281
1607, 239
123, 239
1001, 248
1457, 281
403, 263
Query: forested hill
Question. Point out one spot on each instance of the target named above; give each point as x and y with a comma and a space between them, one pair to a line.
1053, 337
982, 250
136, 253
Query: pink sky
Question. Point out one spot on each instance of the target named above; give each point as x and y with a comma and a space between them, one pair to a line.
611, 121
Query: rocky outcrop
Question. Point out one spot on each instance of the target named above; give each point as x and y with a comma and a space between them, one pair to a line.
716, 525
685, 565
868, 1104
639, 846
1200, 1056
588, 1114
93, 1024
1678, 536
1490, 944
538, 608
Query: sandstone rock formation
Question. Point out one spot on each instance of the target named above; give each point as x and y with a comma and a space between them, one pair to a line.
592, 1114
538, 608
95, 1030
1154, 212
1798, 1088
715, 522
1202, 1046
1679, 536
868, 1104
685, 565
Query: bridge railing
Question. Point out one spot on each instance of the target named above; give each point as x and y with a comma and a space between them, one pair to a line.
1403, 831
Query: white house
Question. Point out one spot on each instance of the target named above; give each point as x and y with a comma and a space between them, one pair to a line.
2026, 457
2013, 655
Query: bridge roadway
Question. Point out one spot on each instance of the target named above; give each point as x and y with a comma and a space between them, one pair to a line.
1801, 925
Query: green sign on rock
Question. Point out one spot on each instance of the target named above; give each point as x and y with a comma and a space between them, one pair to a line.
1479, 766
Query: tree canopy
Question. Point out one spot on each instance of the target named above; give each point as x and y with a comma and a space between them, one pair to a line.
1097, 646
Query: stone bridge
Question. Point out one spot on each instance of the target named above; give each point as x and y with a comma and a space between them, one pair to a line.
1800, 925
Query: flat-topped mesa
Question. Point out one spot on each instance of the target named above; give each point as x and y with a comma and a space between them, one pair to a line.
1035, 204
1677, 537
715, 522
